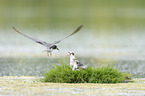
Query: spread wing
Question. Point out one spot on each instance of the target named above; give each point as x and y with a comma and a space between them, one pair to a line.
36, 40
69, 34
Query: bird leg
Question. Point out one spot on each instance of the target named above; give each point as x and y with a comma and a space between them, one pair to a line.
50, 53
47, 53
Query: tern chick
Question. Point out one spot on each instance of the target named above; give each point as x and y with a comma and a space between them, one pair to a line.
75, 64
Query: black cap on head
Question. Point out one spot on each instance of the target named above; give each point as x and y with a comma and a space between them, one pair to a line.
72, 53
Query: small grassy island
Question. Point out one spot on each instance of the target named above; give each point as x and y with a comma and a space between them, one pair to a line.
64, 74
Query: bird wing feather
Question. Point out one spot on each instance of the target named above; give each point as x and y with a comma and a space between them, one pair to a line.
36, 40
69, 34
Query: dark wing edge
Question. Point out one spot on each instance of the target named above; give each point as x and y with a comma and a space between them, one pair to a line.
69, 34
36, 40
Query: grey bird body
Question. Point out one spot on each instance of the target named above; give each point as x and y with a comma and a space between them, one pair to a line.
50, 46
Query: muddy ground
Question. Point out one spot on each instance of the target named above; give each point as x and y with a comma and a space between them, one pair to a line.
26, 86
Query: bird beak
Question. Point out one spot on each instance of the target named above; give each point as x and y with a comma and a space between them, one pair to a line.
69, 53
58, 49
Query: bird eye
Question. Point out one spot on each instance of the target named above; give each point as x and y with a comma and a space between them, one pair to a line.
72, 53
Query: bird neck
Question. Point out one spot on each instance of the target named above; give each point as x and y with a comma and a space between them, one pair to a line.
72, 58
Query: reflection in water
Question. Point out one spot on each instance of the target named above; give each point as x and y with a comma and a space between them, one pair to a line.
39, 66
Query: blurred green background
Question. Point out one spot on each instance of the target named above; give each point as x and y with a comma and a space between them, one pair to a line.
110, 26
99, 15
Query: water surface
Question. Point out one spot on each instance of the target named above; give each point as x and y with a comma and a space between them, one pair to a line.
39, 66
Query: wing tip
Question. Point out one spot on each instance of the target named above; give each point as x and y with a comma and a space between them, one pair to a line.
17, 30
13, 27
78, 28
81, 26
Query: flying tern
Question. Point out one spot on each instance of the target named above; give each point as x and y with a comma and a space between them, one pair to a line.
50, 46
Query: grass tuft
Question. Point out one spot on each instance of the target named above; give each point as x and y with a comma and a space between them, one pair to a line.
64, 74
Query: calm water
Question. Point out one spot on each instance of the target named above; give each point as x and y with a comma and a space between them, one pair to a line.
39, 66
